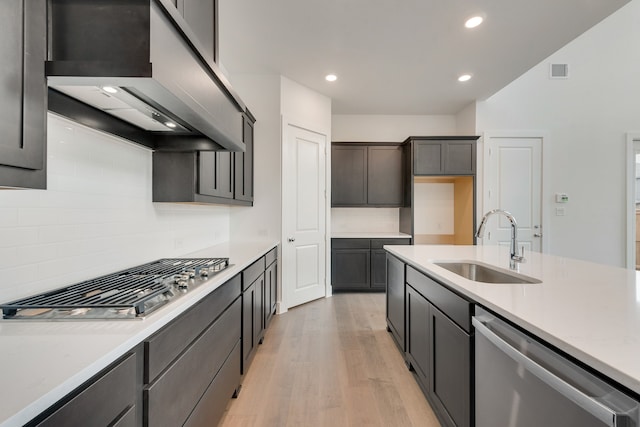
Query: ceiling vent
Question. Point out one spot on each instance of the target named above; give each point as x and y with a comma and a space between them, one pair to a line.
559, 71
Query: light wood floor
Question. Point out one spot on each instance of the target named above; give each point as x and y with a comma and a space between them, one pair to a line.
330, 363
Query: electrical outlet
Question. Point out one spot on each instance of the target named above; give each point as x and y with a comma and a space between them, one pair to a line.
560, 211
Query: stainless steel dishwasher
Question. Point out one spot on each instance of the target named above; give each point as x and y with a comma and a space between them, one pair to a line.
522, 383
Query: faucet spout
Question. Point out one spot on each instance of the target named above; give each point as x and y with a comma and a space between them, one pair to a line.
515, 256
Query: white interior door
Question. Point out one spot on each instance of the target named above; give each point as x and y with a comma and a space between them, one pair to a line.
303, 215
513, 182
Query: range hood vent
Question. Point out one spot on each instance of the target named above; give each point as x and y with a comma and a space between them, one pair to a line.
135, 69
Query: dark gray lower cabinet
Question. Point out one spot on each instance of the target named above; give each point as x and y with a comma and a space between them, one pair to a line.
205, 339
439, 346
450, 384
351, 269
417, 351
253, 309
270, 291
360, 264
396, 300
108, 399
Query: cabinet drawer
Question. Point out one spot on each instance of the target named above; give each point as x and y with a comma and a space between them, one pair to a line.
128, 419
379, 243
454, 306
102, 402
165, 345
172, 397
211, 407
251, 273
350, 243
271, 256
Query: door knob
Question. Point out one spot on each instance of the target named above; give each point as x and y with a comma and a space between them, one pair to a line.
291, 239
537, 235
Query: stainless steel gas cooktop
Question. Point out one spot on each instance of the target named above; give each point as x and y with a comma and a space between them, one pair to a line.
127, 294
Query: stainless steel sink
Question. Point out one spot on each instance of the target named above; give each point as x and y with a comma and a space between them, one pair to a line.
484, 273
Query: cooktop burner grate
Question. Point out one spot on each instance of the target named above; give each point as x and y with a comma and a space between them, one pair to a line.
140, 288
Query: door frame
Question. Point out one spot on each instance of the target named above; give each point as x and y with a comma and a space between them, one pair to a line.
286, 120
632, 141
482, 176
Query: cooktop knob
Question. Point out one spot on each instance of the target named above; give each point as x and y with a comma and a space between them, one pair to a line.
183, 286
191, 273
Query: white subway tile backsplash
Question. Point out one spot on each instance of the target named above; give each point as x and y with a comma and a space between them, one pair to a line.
8, 217
96, 216
18, 236
382, 220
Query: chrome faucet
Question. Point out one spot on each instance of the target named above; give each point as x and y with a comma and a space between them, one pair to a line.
515, 257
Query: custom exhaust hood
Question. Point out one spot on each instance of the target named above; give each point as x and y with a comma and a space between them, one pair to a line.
135, 69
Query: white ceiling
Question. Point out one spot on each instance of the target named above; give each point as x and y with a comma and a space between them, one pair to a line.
400, 56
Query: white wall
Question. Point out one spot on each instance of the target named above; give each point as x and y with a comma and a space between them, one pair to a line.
95, 217
586, 118
303, 105
261, 93
383, 128
466, 120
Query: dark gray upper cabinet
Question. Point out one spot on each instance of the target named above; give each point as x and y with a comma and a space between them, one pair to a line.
216, 173
23, 94
444, 155
244, 162
201, 17
348, 175
218, 177
366, 174
384, 176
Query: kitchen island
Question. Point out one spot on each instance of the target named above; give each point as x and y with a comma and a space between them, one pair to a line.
43, 361
589, 311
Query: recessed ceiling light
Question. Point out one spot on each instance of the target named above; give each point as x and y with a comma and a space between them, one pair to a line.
170, 125
464, 78
473, 22
331, 77
109, 89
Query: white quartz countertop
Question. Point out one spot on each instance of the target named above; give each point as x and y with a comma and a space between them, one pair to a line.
42, 361
588, 310
368, 235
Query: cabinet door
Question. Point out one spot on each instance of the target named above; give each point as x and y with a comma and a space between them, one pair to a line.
384, 176
450, 382
271, 289
418, 328
396, 299
258, 311
350, 269
215, 173
23, 94
378, 269
348, 175
248, 344
428, 158
243, 189
201, 18
379, 261
460, 158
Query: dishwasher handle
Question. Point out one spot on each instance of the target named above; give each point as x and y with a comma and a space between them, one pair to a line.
603, 413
